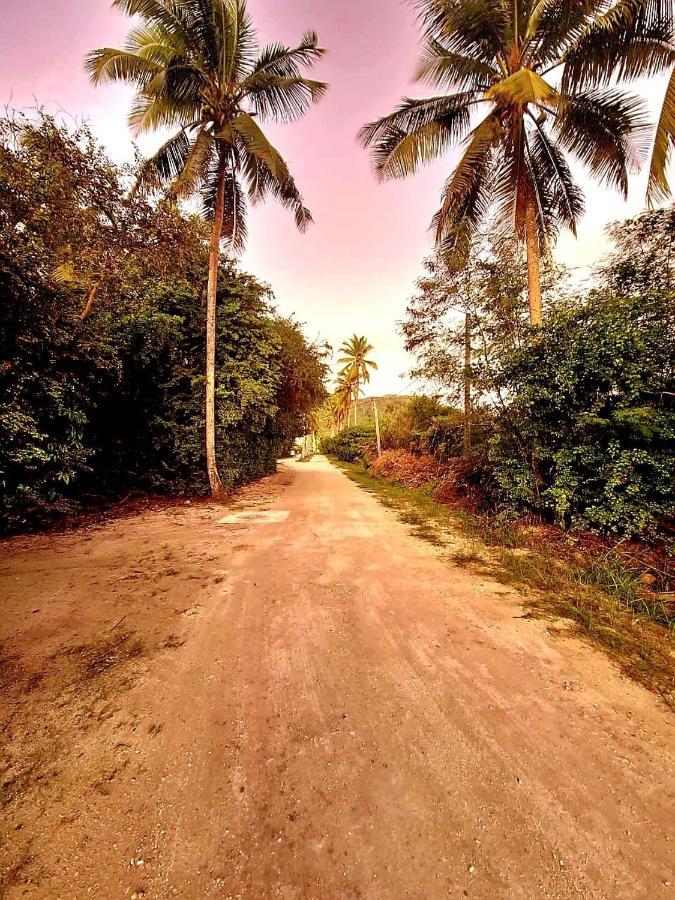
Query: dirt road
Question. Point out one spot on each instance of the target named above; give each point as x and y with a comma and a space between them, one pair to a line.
294, 697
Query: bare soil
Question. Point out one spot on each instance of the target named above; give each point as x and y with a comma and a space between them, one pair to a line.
292, 696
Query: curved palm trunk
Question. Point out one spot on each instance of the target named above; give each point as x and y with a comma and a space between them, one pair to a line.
533, 266
217, 489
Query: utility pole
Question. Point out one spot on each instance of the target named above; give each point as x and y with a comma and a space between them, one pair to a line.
377, 429
467, 383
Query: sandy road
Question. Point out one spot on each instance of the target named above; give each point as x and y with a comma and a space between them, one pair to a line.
293, 697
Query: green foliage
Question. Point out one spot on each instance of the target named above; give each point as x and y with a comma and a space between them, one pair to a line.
590, 434
113, 403
351, 445
574, 422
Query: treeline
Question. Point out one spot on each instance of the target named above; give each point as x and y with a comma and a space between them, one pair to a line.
102, 334
573, 422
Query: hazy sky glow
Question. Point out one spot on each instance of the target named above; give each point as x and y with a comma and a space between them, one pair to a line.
355, 269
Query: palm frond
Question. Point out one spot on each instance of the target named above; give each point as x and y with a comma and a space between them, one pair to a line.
195, 169
108, 64
443, 68
166, 165
473, 28
263, 182
150, 112
235, 230
466, 196
287, 62
632, 38
659, 187
283, 98
150, 40
550, 168
606, 131
237, 40
167, 15
553, 26
258, 146
417, 132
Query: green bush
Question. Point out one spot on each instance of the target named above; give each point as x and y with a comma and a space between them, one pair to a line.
351, 445
104, 406
589, 435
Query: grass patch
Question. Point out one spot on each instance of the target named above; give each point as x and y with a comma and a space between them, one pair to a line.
603, 597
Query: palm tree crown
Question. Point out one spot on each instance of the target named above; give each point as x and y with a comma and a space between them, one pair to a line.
525, 82
355, 362
195, 64
356, 368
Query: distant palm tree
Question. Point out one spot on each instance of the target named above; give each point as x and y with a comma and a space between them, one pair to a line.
195, 65
531, 69
356, 366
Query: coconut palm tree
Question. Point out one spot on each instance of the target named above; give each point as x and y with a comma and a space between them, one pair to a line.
356, 366
516, 81
195, 67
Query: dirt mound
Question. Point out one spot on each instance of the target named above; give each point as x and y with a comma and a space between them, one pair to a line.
409, 470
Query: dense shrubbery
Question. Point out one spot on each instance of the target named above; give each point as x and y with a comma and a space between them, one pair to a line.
350, 445
576, 422
589, 434
110, 403
413, 471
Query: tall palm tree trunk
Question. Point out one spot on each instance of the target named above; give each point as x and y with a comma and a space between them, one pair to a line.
356, 405
217, 489
533, 265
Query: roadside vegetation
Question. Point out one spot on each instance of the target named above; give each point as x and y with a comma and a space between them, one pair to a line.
547, 438
102, 329
195, 68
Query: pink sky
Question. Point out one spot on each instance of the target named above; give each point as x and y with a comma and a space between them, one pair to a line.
356, 267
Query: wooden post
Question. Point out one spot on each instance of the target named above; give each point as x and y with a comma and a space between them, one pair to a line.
377, 429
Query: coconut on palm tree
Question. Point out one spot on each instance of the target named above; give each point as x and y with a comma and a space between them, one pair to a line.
518, 84
196, 67
356, 366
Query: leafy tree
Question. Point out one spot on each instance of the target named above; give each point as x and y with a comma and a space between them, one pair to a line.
489, 288
302, 388
111, 404
356, 366
195, 66
528, 72
592, 401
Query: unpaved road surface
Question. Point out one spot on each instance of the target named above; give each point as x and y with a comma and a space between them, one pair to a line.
292, 696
